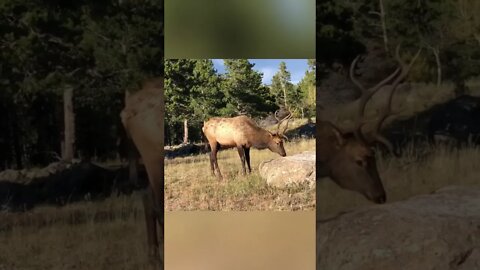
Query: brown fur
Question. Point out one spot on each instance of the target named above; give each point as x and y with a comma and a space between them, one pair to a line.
240, 132
349, 162
142, 118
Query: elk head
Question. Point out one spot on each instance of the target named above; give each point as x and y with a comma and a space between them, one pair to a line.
276, 142
349, 157
350, 162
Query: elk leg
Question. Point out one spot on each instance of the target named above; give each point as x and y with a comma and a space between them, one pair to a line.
158, 211
241, 153
150, 219
247, 158
212, 164
214, 160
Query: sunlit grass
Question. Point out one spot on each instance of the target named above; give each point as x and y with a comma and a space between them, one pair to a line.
189, 184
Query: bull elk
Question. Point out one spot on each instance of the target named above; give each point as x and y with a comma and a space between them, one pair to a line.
142, 118
243, 133
348, 158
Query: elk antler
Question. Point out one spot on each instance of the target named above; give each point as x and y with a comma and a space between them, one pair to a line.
368, 93
365, 97
288, 117
387, 110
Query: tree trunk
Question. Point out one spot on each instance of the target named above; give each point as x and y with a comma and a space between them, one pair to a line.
436, 53
384, 26
69, 121
285, 95
185, 131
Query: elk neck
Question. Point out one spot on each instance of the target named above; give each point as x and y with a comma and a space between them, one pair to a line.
262, 139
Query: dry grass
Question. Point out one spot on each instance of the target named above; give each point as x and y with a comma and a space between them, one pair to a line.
110, 234
89, 235
189, 184
410, 175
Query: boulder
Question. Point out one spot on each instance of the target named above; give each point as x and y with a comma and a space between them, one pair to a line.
290, 170
436, 231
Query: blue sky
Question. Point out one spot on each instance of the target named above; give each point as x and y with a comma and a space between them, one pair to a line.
269, 67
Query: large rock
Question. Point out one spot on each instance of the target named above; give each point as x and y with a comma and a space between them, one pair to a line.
290, 170
437, 231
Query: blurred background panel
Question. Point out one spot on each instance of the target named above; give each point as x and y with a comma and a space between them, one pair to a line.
239, 29
239, 240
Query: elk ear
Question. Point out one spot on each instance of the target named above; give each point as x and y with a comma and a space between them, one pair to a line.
330, 136
339, 137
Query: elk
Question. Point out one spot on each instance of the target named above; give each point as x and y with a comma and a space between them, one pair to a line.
142, 119
348, 158
243, 133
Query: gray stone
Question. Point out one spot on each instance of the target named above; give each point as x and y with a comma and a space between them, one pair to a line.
290, 170
436, 231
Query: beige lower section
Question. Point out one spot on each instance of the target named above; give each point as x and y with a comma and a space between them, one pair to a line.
240, 240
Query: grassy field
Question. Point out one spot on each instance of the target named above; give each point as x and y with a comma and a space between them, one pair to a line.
189, 184
108, 234
410, 175
417, 171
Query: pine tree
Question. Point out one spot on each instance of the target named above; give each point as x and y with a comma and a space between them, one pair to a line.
244, 91
179, 81
307, 90
207, 98
281, 85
